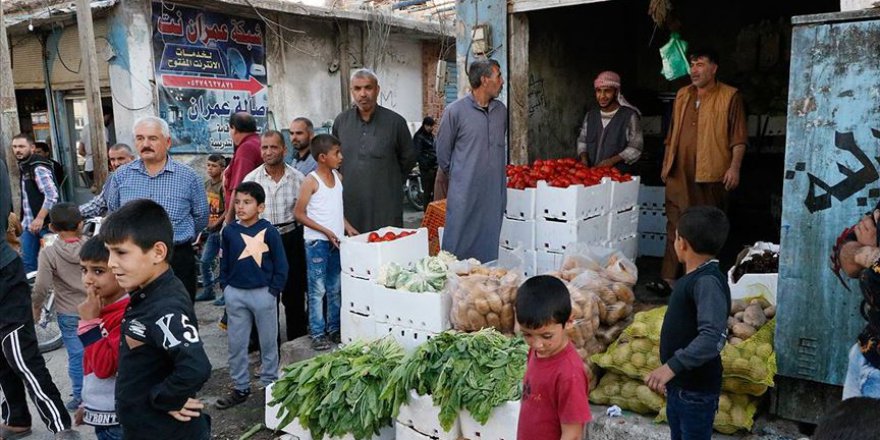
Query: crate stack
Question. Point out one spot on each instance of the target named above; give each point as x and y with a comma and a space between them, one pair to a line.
652, 221
541, 223
363, 309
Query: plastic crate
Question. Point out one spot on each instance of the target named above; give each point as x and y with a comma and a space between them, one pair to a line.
520, 204
652, 220
623, 224
421, 415
356, 327
522, 258
652, 197
408, 338
624, 195
577, 202
427, 311
502, 424
357, 295
652, 245
403, 432
363, 260
434, 220
556, 236
517, 233
628, 246
547, 262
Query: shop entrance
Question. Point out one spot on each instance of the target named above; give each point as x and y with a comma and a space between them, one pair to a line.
79, 155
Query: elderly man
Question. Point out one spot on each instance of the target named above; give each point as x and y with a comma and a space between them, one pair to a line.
704, 150
245, 156
472, 150
301, 133
611, 135
378, 154
39, 193
281, 183
120, 154
175, 186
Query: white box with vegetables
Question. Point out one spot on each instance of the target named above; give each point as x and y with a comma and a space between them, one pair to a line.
572, 203
362, 256
517, 233
756, 272
624, 194
414, 296
422, 415
557, 236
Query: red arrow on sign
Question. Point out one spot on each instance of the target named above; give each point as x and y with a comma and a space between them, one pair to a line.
252, 86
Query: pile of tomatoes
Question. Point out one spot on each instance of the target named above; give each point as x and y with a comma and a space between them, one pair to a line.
374, 237
560, 173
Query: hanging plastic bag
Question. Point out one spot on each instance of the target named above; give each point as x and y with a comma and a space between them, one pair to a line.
674, 56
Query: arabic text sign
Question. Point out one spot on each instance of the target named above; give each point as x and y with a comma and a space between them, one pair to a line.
208, 66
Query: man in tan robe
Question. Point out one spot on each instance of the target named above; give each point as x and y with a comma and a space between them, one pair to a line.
704, 150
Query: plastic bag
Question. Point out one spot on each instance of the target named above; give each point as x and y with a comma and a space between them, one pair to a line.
484, 298
735, 412
608, 264
674, 57
629, 394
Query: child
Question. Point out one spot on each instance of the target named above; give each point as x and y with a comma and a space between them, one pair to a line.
695, 327
852, 419
58, 269
319, 209
253, 270
211, 235
554, 402
99, 330
162, 363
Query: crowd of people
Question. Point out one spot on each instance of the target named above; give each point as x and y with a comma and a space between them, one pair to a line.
125, 298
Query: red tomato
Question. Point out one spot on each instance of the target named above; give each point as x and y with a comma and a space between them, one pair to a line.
389, 236
373, 237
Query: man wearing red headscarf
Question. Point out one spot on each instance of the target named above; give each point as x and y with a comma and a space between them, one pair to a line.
611, 135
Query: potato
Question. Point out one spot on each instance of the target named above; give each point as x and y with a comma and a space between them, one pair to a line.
476, 320
628, 389
570, 274
761, 301
482, 306
740, 365
724, 403
508, 318
735, 341
602, 310
754, 315
606, 295
641, 345
770, 312
638, 360
649, 398
495, 303
652, 362
461, 315
622, 354
738, 316
624, 293
764, 350
617, 312
638, 329
495, 321
738, 416
737, 306
743, 331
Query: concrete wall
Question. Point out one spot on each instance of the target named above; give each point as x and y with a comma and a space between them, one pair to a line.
400, 78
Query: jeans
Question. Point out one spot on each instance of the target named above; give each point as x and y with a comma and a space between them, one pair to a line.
68, 325
690, 413
862, 379
244, 308
324, 270
30, 248
108, 432
209, 256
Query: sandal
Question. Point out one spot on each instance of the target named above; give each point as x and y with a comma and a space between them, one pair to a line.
659, 287
6, 433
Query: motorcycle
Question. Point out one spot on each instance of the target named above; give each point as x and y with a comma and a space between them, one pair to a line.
413, 190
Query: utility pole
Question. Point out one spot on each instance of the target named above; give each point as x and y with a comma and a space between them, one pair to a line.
92, 83
8, 112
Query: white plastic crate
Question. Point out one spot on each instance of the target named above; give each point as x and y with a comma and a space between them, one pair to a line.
408, 338
517, 233
624, 195
357, 294
424, 310
547, 262
522, 258
576, 202
355, 327
652, 245
555, 236
628, 246
520, 204
420, 414
363, 260
502, 424
652, 220
403, 432
652, 197
623, 224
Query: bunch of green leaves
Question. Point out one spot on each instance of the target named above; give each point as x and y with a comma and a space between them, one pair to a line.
473, 371
338, 393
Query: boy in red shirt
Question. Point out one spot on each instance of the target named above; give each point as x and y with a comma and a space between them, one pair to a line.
554, 402
99, 330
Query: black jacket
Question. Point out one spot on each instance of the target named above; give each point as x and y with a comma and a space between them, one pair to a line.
423, 142
29, 182
162, 363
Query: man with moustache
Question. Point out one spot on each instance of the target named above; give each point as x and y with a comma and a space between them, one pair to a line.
611, 135
175, 186
39, 193
245, 155
378, 155
705, 146
301, 133
119, 154
282, 182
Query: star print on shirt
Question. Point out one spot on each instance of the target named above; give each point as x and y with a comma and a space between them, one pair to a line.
254, 247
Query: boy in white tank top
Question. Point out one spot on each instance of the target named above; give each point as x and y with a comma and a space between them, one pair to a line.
319, 209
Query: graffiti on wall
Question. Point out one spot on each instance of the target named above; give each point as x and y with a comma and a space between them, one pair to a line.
208, 67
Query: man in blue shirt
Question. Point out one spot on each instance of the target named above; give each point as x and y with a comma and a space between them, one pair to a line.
175, 186
301, 133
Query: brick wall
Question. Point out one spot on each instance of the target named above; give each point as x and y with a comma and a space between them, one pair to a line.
432, 102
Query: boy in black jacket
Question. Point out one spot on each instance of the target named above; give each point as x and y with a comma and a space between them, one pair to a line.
162, 363
695, 327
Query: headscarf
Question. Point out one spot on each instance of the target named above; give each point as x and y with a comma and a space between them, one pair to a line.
612, 79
